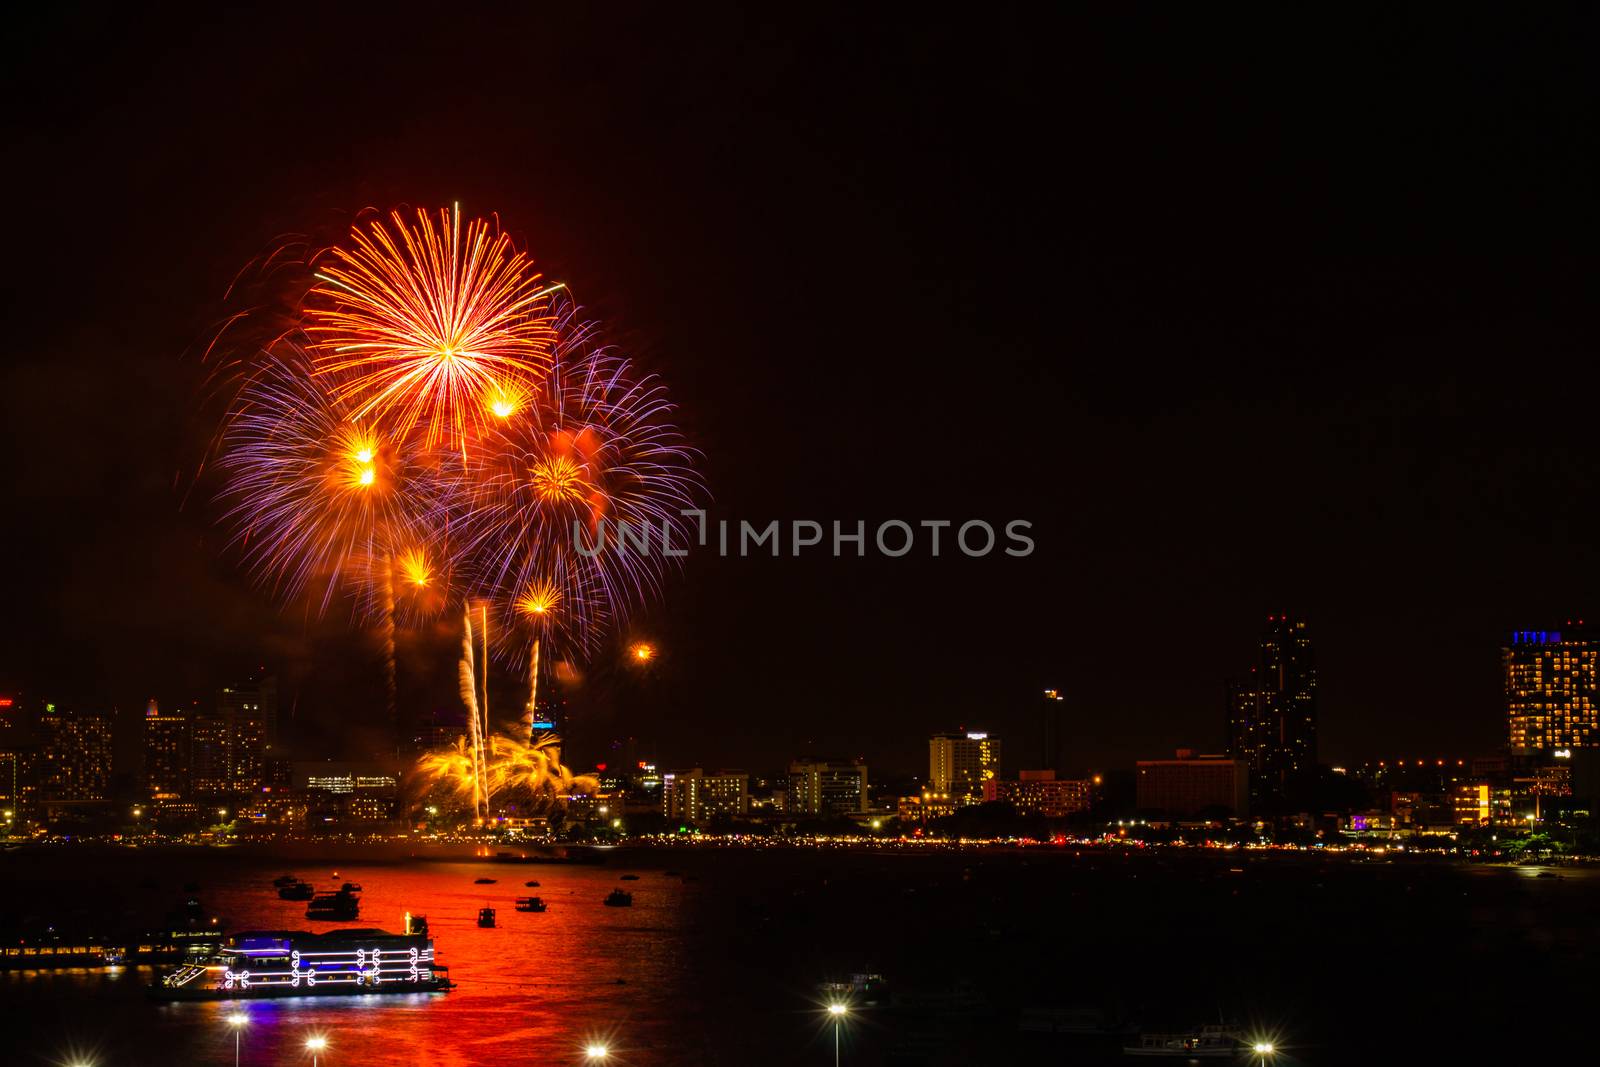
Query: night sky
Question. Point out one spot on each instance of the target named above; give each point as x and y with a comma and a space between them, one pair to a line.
1245, 316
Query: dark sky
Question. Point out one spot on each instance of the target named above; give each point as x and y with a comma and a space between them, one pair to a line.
1246, 315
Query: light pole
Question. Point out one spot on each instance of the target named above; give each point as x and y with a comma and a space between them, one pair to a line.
838, 1012
238, 1020
1264, 1049
315, 1045
596, 1052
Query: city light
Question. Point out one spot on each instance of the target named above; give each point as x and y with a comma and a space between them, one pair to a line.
1264, 1048
315, 1045
596, 1052
238, 1020
837, 1011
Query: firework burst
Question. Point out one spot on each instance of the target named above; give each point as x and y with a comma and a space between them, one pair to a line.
593, 455
314, 497
430, 325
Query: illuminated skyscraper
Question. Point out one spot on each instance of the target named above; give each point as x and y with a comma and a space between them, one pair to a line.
697, 797
1552, 700
959, 764
166, 753
1272, 715
827, 788
230, 744
74, 756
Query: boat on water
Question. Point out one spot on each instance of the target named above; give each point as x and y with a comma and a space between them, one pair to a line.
483, 881
296, 963
296, 891
285, 879
859, 988
618, 899
334, 907
1207, 1043
531, 885
530, 904
486, 917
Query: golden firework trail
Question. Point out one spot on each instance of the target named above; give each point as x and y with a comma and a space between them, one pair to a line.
430, 324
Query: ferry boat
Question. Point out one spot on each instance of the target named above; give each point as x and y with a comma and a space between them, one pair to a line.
295, 963
530, 904
486, 918
863, 987
1207, 1043
296, 891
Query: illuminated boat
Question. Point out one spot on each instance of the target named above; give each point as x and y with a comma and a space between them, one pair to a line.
334, 907
530, 904
1207, 1043
486, 918
295, 963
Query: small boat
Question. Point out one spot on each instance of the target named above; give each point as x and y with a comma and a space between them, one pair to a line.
486, 917
531, 885
296, 891
483, 881
618, 899
1207, 1043
284, 879
530, 904
629, 878
334, 907
858, 988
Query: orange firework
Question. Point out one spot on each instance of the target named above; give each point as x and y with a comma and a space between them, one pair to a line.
431, 324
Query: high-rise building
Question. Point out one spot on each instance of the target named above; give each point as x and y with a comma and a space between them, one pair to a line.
1272, 715
959, 764
1040, 792
1192, 785
74, 756
826, 788
697, 797
166, 754
230, 744
1552, 700
1050, 732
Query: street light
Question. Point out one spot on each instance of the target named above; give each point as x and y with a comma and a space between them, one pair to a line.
596, 1052
838, 1011
238, 1020
314, 1045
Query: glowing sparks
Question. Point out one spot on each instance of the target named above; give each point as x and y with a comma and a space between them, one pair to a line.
414, 567
540, 598
530, 771
557, 479
416, 323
